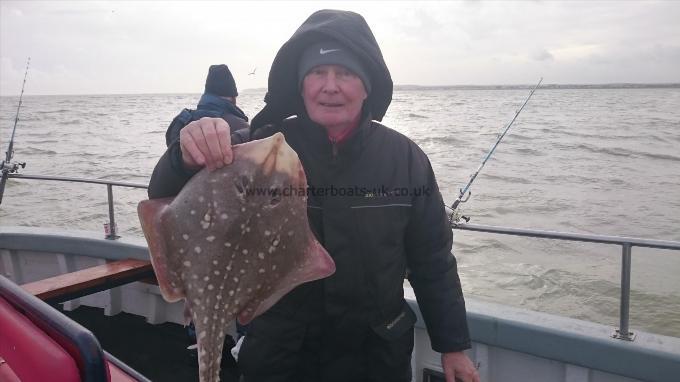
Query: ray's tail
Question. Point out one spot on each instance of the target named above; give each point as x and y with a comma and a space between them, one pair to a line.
210, 335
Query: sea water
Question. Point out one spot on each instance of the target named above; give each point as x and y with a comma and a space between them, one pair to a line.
584, 160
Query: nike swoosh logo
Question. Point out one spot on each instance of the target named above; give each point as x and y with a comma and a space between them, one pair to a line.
321, 51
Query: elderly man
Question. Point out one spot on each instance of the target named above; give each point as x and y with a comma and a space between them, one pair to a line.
327, 87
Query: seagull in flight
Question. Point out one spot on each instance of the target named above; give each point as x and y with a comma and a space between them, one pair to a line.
253, 72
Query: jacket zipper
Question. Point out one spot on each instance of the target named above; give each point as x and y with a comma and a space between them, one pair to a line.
334, 150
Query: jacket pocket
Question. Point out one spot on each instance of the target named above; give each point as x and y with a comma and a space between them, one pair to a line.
395, 327
380, 228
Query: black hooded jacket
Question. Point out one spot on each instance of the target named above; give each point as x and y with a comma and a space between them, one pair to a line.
373, 203
374, 232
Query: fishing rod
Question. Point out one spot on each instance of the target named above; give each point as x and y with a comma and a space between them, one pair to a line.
7, 166
454, 217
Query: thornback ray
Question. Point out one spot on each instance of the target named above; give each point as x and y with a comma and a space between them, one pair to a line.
234, 241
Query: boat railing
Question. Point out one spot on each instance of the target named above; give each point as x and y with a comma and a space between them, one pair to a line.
111, 230
626, 243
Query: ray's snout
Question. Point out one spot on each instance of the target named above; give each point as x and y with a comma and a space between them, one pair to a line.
274, 156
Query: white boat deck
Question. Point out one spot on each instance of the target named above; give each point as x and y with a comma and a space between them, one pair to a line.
509, 344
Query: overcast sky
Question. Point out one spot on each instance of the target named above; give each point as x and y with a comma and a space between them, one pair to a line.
103, 47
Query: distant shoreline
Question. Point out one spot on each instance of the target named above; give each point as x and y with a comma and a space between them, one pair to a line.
434, 87
543, 86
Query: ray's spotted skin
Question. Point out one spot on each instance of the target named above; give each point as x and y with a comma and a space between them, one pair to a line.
232, 244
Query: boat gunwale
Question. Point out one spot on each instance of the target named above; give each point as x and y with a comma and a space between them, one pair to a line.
547, 336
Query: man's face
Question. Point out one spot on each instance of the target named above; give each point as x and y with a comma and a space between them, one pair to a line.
333, 96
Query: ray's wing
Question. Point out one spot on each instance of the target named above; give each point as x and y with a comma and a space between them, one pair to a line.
314, 265
150, 213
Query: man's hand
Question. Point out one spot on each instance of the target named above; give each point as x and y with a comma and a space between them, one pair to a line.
458, 367
206, 142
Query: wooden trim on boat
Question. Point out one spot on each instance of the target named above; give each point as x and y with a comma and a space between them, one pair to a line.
83, 282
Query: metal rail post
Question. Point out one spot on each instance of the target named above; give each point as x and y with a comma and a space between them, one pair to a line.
112, 221
623, 333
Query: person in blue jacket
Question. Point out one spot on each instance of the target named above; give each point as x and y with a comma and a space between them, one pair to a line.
218, 101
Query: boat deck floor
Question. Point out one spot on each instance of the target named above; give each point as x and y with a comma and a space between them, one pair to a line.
159, 352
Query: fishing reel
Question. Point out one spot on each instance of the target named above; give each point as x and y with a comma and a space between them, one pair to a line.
452, 211
455, 216
11, 167
6, 168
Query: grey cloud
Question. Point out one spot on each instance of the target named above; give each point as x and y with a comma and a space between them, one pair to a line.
542, 54
419, 26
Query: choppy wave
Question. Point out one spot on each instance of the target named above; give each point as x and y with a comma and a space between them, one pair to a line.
37, 151
522, 137
507, 178
414, 115
528, 151
661, 156
136, 153
71, 122
622, 152
58, 111
42, 142
448, 140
